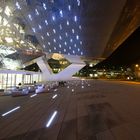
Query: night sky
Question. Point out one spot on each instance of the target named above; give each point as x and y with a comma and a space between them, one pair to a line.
127, 53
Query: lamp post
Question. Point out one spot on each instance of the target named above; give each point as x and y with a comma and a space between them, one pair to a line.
137, 67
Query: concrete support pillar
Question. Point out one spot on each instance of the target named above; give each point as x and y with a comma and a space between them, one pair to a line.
66, 74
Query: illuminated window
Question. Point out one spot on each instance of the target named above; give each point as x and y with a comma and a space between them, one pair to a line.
7, 11
80, 27
50, 50
44, 46
73, 52
78, 50
70, 48
81, 42
74, 45
54, 48
64, 50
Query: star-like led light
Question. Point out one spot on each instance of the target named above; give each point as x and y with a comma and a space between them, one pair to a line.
18, 6
44, 6
61, 13
30, 17
36, 11
69, 7
46, 22
75, 18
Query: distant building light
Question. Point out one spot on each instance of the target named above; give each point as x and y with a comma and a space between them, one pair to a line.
91, 65
91, 75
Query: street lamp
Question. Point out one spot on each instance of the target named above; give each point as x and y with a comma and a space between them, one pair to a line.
136, 65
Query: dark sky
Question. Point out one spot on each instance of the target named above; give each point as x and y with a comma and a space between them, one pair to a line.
127, 53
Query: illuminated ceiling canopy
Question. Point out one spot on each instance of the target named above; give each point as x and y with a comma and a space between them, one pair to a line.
73, 27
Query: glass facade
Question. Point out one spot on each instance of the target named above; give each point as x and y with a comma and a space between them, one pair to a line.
11, 79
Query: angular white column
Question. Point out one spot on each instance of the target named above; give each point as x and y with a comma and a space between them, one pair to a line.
66, 74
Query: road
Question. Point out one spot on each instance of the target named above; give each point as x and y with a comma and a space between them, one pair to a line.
82, 110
